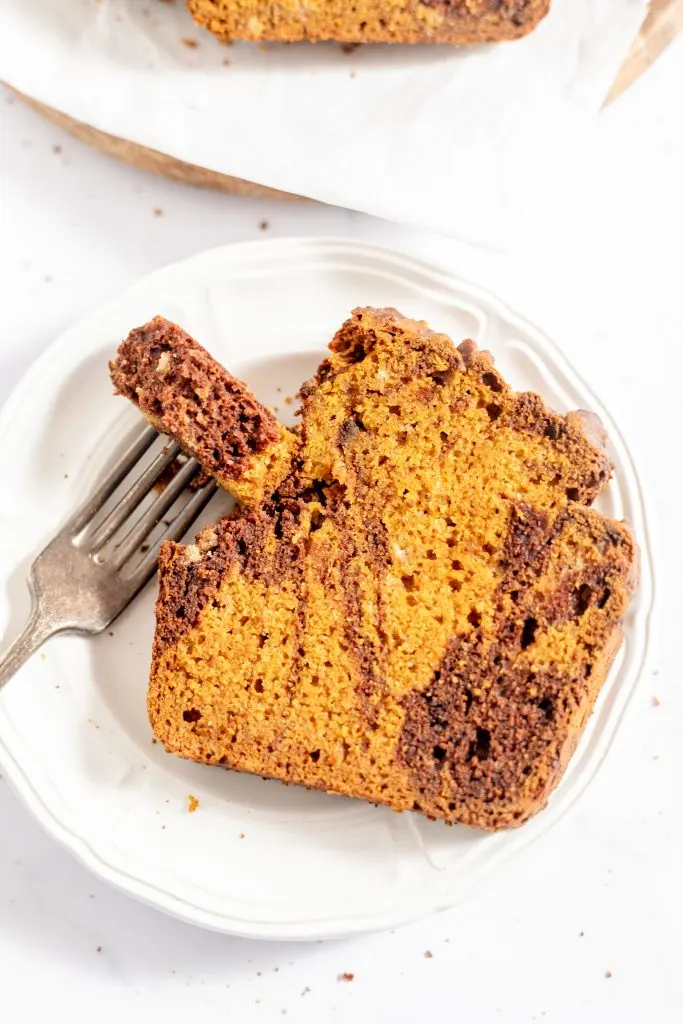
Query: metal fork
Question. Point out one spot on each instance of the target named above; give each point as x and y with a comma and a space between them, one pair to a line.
89, 573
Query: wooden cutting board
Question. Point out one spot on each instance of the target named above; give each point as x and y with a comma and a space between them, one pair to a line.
663, 23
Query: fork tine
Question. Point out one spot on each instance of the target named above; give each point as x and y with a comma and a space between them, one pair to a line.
94, 503
178, 527
136, 535
133, 496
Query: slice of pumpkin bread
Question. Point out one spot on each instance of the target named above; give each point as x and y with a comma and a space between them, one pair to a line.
423, 613
183, 392
370, 21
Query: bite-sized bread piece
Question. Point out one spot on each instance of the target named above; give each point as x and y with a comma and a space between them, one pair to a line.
183, 392
370, 21
423, 613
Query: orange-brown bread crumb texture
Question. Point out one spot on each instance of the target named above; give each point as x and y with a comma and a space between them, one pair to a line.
424, 611
370, 21
183, 392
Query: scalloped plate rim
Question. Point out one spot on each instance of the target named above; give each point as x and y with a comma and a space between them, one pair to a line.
179, 906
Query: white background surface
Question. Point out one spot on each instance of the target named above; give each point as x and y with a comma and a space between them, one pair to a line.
587, 926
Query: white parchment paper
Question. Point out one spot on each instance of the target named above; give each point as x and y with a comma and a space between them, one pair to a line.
474, 142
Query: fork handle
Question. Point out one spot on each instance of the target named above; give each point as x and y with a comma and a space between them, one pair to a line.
36, 631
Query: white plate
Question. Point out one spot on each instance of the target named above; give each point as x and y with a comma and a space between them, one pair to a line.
257, 858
